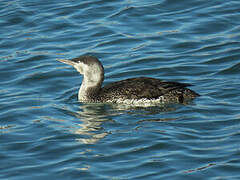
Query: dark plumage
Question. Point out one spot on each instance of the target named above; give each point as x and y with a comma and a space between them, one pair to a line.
132, 90
148, 88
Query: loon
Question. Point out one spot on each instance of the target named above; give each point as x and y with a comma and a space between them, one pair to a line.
128, 91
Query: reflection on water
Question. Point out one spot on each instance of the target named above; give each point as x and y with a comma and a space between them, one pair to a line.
90, 126
46, 133
93, 116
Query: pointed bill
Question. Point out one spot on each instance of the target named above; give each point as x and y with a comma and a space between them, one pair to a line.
66, 61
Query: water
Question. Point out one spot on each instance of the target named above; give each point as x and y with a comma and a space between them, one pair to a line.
46, 133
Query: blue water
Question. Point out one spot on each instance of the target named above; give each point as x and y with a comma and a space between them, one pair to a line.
45, 133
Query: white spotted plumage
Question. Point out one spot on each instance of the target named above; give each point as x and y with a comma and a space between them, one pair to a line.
133, 91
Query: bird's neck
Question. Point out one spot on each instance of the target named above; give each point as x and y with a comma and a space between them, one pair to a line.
89, 90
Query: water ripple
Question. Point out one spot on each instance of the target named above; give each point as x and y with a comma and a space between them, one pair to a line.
47, 133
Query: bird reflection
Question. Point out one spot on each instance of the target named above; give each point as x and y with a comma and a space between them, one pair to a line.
93, 115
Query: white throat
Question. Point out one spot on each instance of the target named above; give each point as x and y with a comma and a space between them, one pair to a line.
82, 93
86, 90
92, 81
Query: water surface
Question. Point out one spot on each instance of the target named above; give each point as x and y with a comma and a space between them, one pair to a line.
46, 133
